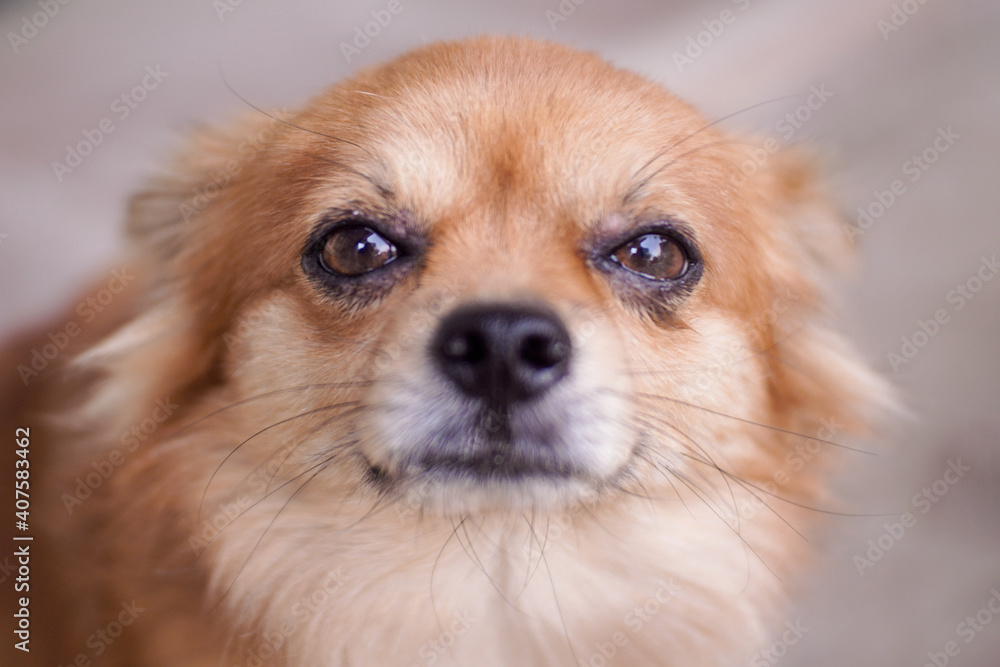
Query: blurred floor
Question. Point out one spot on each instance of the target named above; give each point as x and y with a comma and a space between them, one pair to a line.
906, 80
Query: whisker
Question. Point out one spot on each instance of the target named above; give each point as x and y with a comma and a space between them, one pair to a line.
471, 552
758, 424
319, 465
307, 413
692, 443
437, 560
355, 408
677, 143
728, 475
555, 599
253, 106
641, 184
529, 572
749, 485
267, 394
746, 544
260, 540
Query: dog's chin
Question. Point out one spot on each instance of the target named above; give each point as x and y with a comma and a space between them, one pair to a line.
458, 490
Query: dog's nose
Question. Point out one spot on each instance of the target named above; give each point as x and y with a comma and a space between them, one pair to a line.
502, 353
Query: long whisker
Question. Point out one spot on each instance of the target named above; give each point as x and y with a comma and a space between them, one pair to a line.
260, 432
354, 384
777, 429
677, 143
317, 466
437, 560
354, 409
529, 572
555, 599
641, 184
253, 106
261, 539
695, 490
692, 443
470, 550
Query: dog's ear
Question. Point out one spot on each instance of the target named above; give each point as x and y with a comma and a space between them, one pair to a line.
169, 212
815, 372
164, 348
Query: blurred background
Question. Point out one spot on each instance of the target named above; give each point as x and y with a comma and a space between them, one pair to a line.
900, 99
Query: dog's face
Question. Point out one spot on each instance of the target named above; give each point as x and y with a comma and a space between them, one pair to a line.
495, 278
511, 277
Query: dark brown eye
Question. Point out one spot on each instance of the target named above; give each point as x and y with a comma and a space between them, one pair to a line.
354, 250
655, 256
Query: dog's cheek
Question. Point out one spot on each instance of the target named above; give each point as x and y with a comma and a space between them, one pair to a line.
707, 380
280, 343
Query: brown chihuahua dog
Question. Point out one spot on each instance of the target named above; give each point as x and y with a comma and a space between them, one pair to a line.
492, 355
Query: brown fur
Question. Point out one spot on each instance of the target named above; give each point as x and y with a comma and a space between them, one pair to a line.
507, 159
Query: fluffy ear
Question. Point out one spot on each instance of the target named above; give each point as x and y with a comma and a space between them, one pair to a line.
163, 217
816, 237
162, 349
816, 372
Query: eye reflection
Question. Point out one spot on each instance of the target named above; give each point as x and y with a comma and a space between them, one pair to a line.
655, 256
355, 250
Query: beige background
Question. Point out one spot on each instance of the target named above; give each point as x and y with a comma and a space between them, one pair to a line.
891, 94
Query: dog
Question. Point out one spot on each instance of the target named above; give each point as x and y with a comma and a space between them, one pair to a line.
494, 354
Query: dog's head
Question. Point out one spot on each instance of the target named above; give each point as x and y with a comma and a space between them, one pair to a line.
521, 273
496, 276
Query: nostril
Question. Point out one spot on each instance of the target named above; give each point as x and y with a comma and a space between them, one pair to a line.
465, 347
543, 351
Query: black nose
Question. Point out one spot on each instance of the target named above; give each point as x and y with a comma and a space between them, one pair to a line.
502, 353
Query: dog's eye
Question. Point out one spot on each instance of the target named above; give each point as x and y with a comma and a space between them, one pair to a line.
655, 256
354, 250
